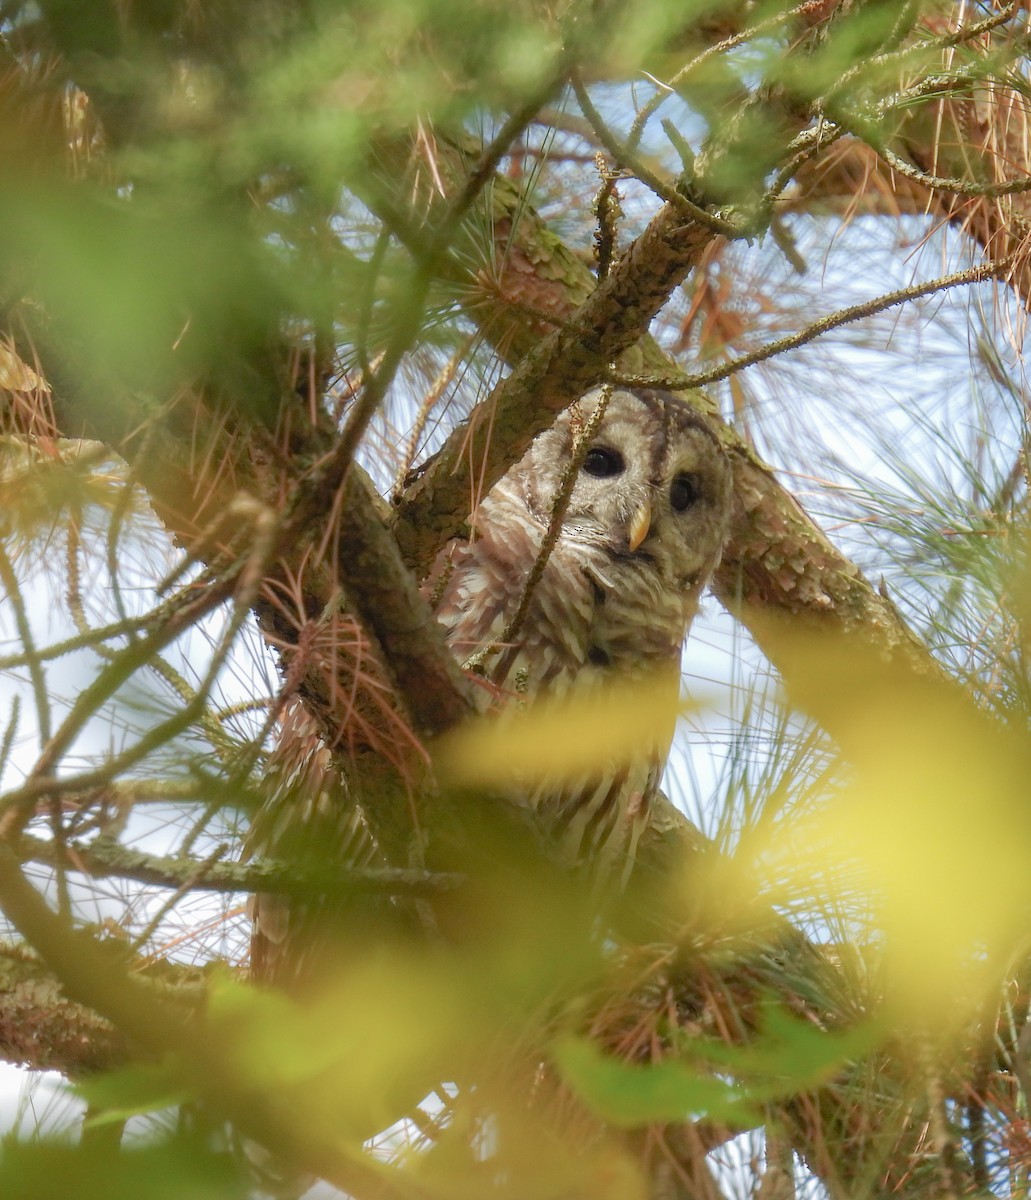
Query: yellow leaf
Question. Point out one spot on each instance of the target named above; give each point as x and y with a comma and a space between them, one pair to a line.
557, 739
932, 833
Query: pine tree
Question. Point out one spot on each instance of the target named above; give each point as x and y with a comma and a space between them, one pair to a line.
284, 289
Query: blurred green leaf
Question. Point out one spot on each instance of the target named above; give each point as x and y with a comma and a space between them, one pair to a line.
788, 1055
362, 1050
132, 1090
631, 1095
565, 738
933, 832
180, 1169
710, 1079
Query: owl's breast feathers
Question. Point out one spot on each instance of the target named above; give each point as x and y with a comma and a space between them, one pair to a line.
584, 628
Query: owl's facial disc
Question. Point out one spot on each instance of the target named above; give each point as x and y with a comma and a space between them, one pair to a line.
651, 493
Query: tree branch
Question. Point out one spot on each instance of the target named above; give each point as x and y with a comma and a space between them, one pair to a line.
815, 329
42, 1029
548, 379
776, 557
104, 858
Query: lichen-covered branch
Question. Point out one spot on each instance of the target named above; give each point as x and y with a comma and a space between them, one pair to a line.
42, 1029
104, 858
550, 376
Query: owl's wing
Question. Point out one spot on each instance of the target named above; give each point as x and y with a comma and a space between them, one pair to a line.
474, 599
481, 585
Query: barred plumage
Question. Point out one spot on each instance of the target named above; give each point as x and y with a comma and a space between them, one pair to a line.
644, 528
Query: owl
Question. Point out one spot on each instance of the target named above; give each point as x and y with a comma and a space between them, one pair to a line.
613, 599
645, 523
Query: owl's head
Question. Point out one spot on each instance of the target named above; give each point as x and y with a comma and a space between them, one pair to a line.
654, 487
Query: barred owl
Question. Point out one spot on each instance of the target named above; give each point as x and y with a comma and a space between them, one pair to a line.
644, 528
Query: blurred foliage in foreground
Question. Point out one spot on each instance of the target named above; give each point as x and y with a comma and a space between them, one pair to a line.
237, 239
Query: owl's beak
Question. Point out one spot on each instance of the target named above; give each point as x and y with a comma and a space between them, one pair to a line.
639, 525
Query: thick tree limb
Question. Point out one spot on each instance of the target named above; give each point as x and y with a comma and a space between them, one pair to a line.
42, 1029
386, 597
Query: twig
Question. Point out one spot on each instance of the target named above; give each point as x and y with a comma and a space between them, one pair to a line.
106, 859
367, 300
93, 638
626, 157
945, 42
17, 806
10, 733
941, 1134
968, 32
834, 320
31, 657
119, 513
606, 208
200, 872
962, 187
933, 85
422, 417
728, 43
808, 143
222, 743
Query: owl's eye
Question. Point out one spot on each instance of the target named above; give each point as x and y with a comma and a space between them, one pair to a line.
603, 463
683, 492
